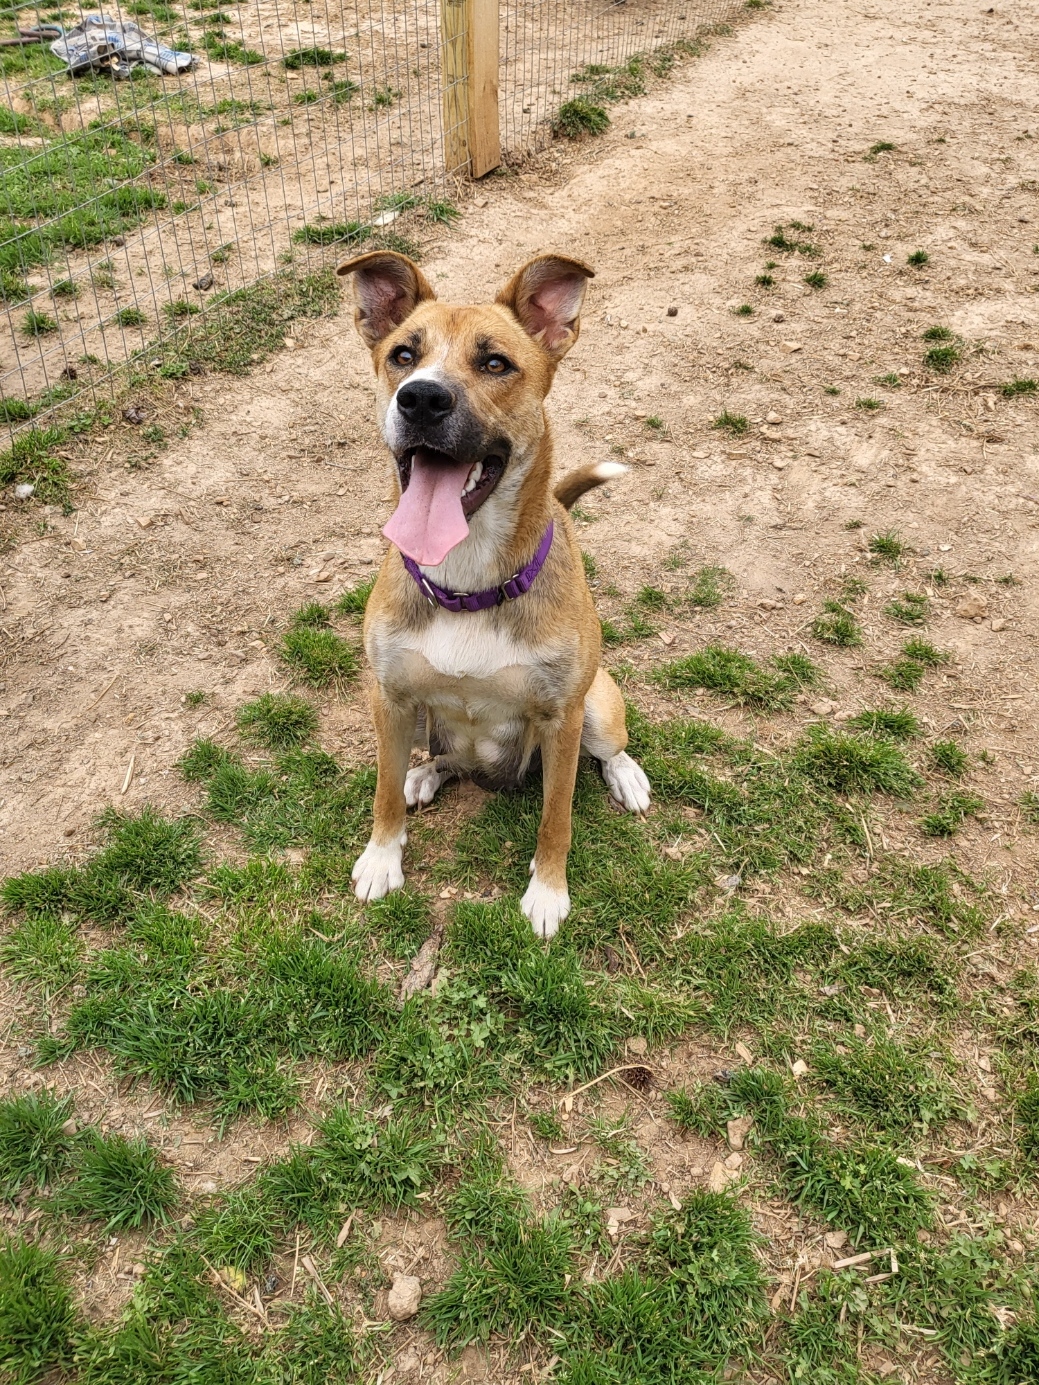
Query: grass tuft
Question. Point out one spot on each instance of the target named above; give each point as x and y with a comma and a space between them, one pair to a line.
37, 1136
949, 758
728, 671
726, 422
579, 117
38, 1319
888, 548
319, 658
278, 720
122, 1183
902, 725
952, 811
837, 626
710, 586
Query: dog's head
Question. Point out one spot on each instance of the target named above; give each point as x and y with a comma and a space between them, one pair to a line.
460, 389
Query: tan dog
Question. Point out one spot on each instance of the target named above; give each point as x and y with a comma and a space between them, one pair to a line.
514, 671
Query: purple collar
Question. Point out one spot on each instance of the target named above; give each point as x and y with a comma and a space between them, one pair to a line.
494, 596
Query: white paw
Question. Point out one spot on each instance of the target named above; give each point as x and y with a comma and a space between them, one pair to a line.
545, 907
377, 871
626, 782
421, 784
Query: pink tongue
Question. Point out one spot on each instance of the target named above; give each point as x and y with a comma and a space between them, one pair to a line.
428, 521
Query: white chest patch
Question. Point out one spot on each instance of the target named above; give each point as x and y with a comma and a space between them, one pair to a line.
466, 646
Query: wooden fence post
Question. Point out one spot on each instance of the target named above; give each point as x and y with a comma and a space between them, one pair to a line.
469, 72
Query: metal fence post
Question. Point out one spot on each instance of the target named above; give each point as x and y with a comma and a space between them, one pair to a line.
469, 68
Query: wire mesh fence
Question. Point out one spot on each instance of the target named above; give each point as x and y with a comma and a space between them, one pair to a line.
236, 142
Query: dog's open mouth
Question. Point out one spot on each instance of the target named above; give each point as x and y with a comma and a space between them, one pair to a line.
438, 494
481, 478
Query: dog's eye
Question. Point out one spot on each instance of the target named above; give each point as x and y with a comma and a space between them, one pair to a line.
496, 365
403, 356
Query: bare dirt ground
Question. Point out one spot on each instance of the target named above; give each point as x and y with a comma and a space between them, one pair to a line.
179, 577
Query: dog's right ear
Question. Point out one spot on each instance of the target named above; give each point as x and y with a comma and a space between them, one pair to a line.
387, 289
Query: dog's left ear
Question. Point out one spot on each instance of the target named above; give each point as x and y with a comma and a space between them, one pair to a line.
546, 296
387, 287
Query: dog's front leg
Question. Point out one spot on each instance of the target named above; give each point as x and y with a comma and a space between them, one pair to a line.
547, 901
378, 870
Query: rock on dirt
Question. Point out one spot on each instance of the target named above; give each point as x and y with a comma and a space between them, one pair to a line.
736, 1131
972, 607
402, 1302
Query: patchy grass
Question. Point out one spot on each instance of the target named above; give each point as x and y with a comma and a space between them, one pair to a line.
734, 674
887, 548
912, 608
241, 328
761, 902
710, 586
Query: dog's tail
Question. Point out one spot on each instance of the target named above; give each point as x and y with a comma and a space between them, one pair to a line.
586, 478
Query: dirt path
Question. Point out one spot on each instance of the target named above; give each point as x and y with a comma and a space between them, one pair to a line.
177, 577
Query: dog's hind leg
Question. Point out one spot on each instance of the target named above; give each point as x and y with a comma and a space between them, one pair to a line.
604, 737
378, 870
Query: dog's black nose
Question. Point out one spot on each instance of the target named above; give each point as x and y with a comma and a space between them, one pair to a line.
424, 402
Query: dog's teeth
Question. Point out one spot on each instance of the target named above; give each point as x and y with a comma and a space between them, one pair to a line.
474, 477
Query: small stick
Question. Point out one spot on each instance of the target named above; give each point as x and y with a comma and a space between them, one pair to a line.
624, 1067
862, 1259
797, 1285
100, 695
295, 1266
311, 1269
129, 775
345, 1231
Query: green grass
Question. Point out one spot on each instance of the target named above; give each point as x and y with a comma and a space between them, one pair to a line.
121, 1183
1016, 388
765, 281
941, 359
727, 422
816, 279
949, 758
918, 258
333, 233
837, 625
278, 720
241, 328
710, 586
298, 58
951, 812
39, 1323
760, 901
891, 381
733, 674
906, 673
518, 1283
744, 310
579, 117
354, 602
36, 324
319, 658
37, 1138
901, 725
887, 547
130, 317
897, 1091
912, 608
